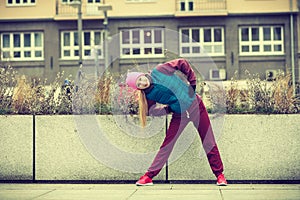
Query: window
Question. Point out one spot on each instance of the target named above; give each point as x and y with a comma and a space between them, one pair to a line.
94, 1
22, 46
20, 2
186, 5
92, 7
92, 42
70, 1
261, 40
200, 41
142, 43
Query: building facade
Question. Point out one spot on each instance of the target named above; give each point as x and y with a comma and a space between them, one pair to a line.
40, 38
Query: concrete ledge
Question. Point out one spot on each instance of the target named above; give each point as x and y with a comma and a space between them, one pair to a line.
16, 147
253, 147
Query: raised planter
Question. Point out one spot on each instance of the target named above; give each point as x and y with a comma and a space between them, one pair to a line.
253, 147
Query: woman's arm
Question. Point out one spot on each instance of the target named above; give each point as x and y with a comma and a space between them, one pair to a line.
157, 110
179, 64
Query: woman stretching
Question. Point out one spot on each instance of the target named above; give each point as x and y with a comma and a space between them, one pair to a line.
162, 85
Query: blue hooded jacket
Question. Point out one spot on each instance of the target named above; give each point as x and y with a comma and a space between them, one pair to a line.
170, 89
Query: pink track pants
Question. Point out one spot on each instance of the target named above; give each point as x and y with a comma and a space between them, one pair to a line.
199, 116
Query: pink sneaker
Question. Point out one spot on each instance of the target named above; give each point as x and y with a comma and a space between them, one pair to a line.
144, 180
221, 181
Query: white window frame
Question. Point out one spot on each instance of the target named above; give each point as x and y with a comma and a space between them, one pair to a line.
73, 48
23, 52
261, 43
204, 48
20, 2
141, 45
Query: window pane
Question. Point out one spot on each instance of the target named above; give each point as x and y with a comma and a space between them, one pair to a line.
24, 1
195, 35
27, 40
245, 48
87, 52
76, 53
157, 36
255, 34
6, 40
126, 51
125, 37
99, 52
38, 54
97, 38
17, 42
208, 49
135, 37
278, 47
136, 51
267, 34
17, 1
207, 35
38, 39
255, 48
185, 50
32, 1
67, 53
147, 36
17, 54
27, 54
245, 34
218, 35
191, 6
267, 48
148, 51
67, 39
6, 54
277, 33
158, 50
195, 49
182, 6
87, 38
218, 48
76, 39
9, 1
185, 36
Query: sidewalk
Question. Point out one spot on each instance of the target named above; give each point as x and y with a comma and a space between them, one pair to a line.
156, 192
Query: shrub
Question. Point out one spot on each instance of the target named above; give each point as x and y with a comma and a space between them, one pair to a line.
104, 96
93, 96
259, 96
283, 98
7, 83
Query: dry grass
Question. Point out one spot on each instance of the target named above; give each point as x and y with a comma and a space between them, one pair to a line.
260, 96
104, 96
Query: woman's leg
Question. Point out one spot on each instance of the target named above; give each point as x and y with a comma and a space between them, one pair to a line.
176, 127
201, 121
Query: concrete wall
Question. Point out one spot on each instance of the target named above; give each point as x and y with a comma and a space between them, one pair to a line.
253, 147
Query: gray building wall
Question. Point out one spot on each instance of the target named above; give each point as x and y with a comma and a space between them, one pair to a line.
231, 61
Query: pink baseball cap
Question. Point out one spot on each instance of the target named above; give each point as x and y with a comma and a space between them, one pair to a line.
132, 78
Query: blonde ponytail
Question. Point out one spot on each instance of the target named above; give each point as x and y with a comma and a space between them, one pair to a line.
143, 108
